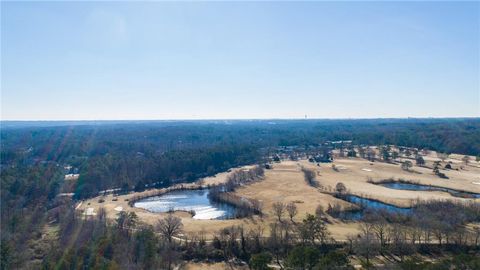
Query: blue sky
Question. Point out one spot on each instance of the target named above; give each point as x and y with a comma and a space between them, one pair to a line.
154, 60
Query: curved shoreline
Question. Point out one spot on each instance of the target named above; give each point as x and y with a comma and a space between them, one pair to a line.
434, 188
195, 201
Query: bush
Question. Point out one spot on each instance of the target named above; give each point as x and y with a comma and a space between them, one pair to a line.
309, 176
415, 264
406, 165
340, 188
420, 161
334, 260
303, 257
442, 175
260, 261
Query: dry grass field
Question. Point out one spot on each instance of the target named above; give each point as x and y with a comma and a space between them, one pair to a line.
285, 183
355, 173
212, 266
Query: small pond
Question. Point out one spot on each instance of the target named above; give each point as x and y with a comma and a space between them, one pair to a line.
418, 187
188, 200
369, 204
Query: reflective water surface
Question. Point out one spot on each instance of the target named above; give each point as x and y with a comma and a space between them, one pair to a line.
187, 200
410, 186
369, 205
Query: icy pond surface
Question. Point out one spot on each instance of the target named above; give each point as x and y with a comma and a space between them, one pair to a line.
187, 200
411, 186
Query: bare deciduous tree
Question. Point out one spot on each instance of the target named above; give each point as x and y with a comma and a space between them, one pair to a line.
370, 154
170, 227
380, 229
367, 244
476, 235
278, 210
292, 210
466, 159
340, 188
319, 212
406, 165
361, 151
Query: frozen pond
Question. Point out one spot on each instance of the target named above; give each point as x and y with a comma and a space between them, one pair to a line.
411, 186
188, 200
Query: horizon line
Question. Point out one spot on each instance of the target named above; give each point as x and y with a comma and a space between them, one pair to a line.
235, 119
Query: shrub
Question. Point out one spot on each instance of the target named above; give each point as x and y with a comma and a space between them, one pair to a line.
420, 161
260, 261
334, 260
340, 188
406, 165
309, 176
303, 257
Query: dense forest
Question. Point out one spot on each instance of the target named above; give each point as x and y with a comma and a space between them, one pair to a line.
136, 155
116, 155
